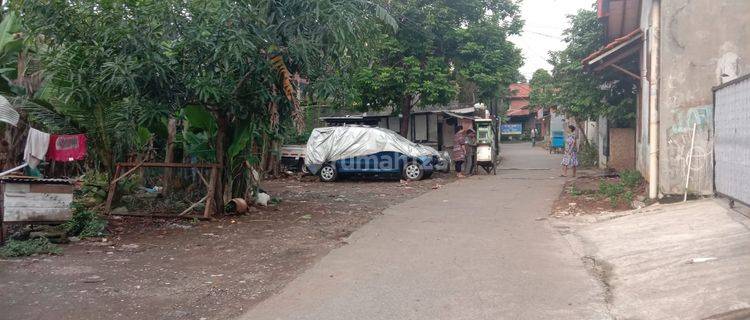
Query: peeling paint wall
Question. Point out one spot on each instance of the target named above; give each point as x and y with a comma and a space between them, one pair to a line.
703, 43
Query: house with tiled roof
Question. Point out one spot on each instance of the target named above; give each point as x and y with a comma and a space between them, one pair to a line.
520, 114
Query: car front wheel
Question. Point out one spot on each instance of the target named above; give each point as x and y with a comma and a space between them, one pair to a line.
303, 167
413, 171
328, 173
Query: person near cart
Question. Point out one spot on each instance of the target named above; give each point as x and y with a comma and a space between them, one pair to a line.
459, 149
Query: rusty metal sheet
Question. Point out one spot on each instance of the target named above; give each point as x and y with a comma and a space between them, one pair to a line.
51, 188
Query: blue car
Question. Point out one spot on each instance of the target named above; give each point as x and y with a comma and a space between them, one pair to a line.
382, 163
333, 152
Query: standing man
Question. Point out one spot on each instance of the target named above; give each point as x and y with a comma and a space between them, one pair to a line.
533, 137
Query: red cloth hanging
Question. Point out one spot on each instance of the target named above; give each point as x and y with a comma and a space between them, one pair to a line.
65, 147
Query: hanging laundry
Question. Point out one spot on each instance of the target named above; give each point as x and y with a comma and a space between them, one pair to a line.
67, 147
37, 144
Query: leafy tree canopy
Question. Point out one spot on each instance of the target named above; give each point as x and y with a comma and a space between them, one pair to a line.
441, 48
119, 65
581, 93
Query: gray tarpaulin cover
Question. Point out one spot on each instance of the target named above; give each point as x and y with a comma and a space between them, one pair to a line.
336, 143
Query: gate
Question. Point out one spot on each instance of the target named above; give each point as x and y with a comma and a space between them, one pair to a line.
732, 139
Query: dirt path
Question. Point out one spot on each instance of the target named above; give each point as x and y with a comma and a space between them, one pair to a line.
157, 269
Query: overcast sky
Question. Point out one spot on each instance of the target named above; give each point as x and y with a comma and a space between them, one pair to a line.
545, 21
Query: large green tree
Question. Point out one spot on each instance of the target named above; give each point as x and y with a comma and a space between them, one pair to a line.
441, 47
581, 93
542, 89
228, 66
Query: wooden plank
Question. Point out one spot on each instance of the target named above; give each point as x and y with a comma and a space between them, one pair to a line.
50, 188
200, 175
190, 208
17, 188
127, 173
617, 57
36, 214
40, 200
156, 215
614, 22
2, 213
626, 71
111, 191
632, 15
170, 165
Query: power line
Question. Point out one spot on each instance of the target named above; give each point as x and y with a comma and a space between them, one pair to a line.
544, 34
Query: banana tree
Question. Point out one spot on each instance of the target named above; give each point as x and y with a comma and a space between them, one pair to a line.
235, 60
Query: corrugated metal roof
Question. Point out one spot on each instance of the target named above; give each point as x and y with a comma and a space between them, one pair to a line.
35, 180
454, 107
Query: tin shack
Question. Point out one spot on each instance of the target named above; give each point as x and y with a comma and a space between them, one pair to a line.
25, 200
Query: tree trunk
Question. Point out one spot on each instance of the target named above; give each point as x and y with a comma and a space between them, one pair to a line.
169, 156
263, 165
405, 115
583, 141
273, 158
104, 146
15, 137
221, 133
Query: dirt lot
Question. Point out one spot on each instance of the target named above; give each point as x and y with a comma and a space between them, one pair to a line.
177, 269
581, 196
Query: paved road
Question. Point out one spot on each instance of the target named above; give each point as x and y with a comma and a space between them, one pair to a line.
473, 249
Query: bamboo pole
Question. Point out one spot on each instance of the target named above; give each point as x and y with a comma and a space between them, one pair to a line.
689, 163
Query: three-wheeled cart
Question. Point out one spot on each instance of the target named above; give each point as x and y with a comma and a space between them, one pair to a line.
486, 145
557, 143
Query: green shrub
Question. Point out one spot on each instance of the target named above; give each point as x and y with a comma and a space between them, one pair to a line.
93, 189
629, 196
84, 224
631, 178
130, 184
588, 156
573, 191
17, 248
613, 191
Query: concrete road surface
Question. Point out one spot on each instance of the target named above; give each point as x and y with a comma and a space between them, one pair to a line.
474, 249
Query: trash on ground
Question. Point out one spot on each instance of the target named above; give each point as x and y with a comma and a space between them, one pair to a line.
702, 259
262, 199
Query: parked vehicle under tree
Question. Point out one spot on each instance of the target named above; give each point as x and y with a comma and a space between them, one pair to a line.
333, 152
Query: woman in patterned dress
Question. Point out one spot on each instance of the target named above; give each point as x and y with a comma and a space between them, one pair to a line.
570, 158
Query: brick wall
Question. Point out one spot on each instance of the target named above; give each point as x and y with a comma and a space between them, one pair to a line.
621, 149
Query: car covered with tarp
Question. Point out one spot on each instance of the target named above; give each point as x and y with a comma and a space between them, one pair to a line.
335, 151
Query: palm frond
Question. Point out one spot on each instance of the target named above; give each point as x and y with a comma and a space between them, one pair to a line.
382, 14
290, 92
43, 115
